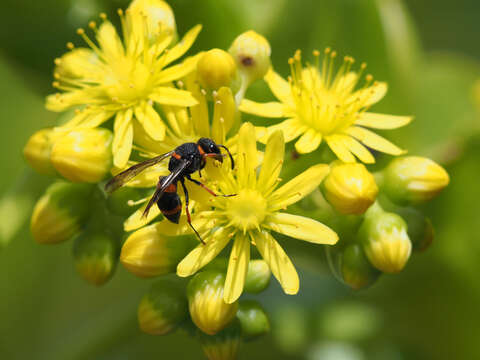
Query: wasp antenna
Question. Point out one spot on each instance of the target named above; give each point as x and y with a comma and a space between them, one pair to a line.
231, 157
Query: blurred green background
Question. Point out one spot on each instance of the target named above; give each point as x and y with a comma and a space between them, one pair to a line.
428, 52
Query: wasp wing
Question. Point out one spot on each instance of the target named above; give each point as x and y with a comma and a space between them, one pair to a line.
164, 183
127, 175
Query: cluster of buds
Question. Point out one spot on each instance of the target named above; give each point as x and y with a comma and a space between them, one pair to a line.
383, 226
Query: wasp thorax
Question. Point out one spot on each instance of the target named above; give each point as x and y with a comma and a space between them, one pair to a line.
247, 210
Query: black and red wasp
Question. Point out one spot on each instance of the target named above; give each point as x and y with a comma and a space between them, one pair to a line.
184, 161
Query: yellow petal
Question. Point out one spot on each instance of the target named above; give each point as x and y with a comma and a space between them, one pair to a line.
382, 121
246, 155
109, 41
360, 151
291, 129
137, 220
223, 114
279, 263
150, 121
96, 119
302, 228
279, 86
371, 95
338, 147
172, 96
122, 138
182, 47
61, 102
268, 110
178, 71
237, 269
374, 141
203, 254
199, 113
272, 162
308, 142
298, 187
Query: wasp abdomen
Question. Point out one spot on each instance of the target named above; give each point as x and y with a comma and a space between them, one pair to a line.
170, 204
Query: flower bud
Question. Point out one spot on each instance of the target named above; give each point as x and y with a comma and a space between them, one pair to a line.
385, 240
253, 319
147, 252
216, 68
350, 188
251, 52
258, 276
158, 15
223, 345
38, 149
163, 308
120, 201
413, 180
83, 155
96, 256
420, 228
60, 212
205, 299
356, 270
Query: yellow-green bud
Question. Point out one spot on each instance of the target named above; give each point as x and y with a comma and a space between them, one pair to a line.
356, 270
148, 253
96, 256
253, 319
60, 212
163, 308
420, 228
350, 188
208, 310
216, 68
258, 276
38, 149
224, 345
385, 240
158, 15
120, 201
77, 63
83, 155
251, 52
413, 180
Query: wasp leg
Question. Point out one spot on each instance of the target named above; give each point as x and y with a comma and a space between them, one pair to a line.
206, 188
189, 219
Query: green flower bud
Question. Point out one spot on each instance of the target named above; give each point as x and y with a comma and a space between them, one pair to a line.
253, 319
163, 308
60, 212
96, 256
258, 276
251, 52
83, 155
350, 188
216, 68
356, 270
205, 299
224, 345
413, 180
120, 201
156, 15
148, 253
420, 228
385, 240
38, 149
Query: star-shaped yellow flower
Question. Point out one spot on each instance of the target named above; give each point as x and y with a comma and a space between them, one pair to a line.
125, 78
323, 106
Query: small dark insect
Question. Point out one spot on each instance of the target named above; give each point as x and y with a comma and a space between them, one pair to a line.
184, 161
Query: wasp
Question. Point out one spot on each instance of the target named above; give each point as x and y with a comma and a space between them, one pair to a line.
185, 160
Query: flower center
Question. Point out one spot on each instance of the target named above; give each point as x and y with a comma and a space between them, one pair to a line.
128, 80
247, 210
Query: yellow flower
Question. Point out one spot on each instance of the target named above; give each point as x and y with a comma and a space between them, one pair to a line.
124, 78
323, 106
249, 217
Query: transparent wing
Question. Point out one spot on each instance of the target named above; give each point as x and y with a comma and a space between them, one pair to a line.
164, 184
127, 175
